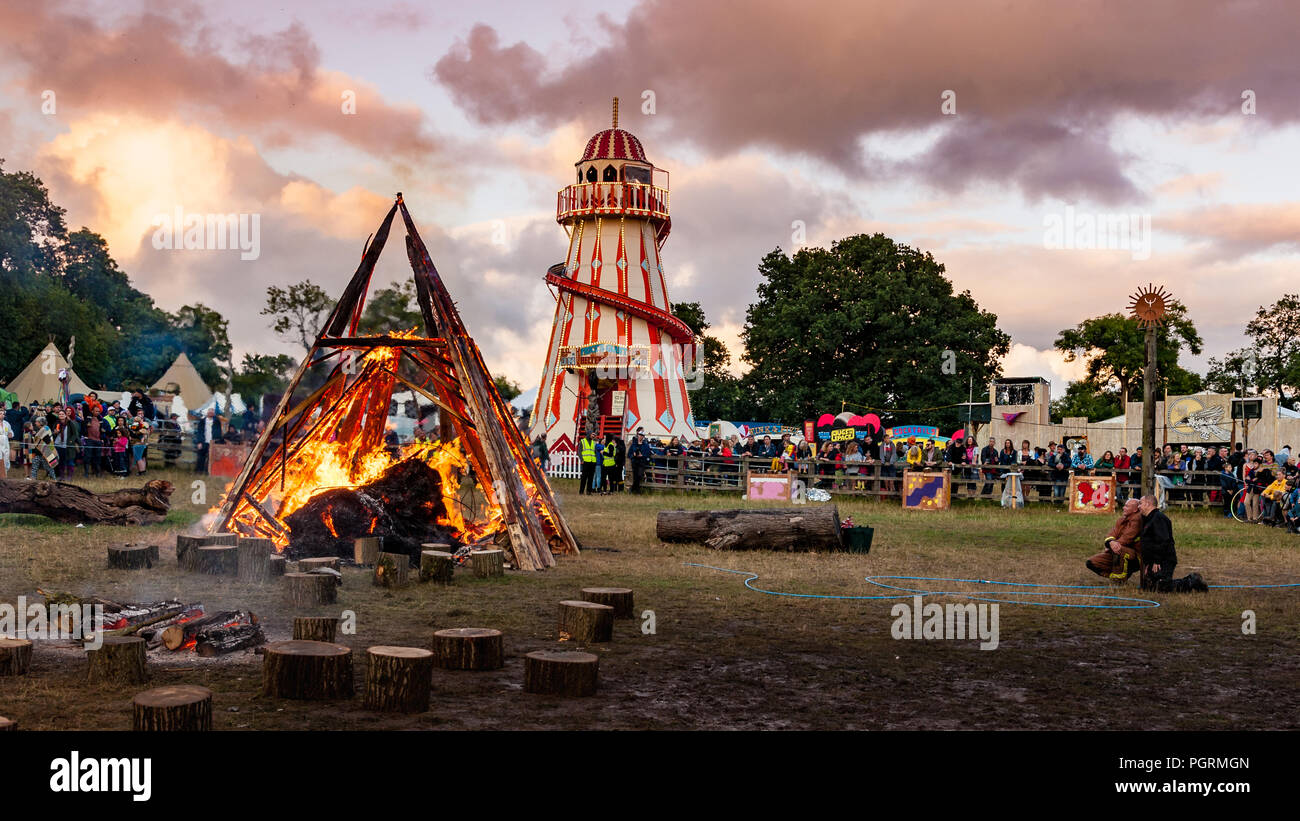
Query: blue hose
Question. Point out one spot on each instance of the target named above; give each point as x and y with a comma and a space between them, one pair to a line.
908, 592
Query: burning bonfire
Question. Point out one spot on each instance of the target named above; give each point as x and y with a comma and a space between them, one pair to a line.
321, 475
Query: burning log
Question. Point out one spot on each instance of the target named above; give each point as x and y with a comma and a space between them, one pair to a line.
7, 725
555, 672
311, 589
404, 505
392, 570
75, 505
365, 551
132, 556
619, 598
217, 641
468, 648
120, 659
254, 560
436, 566
15, 657
153, 632
315, 628
488, 563
308, 565
184, 707
158, 614
398, 679
178, 635
794, 529
307, 670
218, 560
586, 622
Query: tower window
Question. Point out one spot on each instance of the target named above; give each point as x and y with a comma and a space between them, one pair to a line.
611, 174
579, 175
591, 173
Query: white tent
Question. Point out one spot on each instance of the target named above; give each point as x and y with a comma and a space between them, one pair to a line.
183, 379
218, 402
39, 381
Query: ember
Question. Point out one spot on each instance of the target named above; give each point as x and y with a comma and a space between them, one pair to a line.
407, 506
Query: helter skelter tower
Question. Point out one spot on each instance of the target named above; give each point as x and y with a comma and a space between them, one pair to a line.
616, 355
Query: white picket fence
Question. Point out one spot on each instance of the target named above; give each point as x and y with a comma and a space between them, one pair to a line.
565, 466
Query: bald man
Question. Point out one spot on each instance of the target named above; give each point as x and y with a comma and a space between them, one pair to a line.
1158, 555
1119, 559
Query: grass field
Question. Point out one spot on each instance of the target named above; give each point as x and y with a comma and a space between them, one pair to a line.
725, 657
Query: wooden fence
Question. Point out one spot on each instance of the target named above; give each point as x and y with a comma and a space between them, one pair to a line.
1038, 484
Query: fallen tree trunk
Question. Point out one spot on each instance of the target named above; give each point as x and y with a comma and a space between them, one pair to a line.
63, 502
799, 529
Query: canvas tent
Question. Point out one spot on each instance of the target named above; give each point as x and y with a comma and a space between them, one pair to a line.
184, 377
39, 381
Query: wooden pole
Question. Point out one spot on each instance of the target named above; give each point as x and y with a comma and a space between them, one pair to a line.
1149, 415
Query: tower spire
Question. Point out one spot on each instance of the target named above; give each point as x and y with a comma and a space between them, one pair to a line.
615, 112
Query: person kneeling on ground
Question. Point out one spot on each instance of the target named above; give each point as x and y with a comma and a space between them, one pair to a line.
1120, 558
1158, 555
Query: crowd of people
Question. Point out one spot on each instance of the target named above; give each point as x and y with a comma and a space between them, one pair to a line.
101, 437
1212, 474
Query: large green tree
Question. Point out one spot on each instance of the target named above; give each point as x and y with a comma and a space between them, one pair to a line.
869, 322
1275, 337
392, 309
1082, 398
1113, 348
298, 312
64, 285
715, 393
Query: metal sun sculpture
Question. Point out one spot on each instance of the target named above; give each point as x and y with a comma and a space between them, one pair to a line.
1150, 305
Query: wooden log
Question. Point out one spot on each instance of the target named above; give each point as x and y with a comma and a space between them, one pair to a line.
187, 558
120, 659
152, 634
398, 679
218, 560
365, 551
311, 589
619, 598
218, 641
254, 560
132, 556
315, 628
175, 707
562, 673
222, 539
73, 504
310, 670
308, 565
392, 570
178, 635
15, 657
7, 725
468, 648
275, 565
488, 563
436, 566
808, 528
586, 622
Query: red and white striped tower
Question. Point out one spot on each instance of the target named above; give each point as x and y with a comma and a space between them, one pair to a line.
613, 338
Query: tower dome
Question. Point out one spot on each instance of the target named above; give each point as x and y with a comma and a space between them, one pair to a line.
613, 144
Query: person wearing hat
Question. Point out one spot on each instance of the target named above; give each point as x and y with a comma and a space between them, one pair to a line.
914, 454
639, 452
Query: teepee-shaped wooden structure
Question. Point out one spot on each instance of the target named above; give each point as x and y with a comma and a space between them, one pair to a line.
344, 420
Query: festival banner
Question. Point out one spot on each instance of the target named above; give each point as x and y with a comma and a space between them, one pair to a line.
1198, 418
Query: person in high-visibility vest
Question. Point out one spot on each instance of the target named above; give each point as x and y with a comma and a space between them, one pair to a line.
587, 450
607, 454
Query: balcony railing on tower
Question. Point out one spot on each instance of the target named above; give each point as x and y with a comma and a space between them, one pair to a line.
631, 199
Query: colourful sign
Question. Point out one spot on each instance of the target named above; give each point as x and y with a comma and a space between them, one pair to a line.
1092, 494
925, 490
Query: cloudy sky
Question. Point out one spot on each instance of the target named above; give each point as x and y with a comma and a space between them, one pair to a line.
988, 132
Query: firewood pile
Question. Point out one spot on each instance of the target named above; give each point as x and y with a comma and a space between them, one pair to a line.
169, 626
